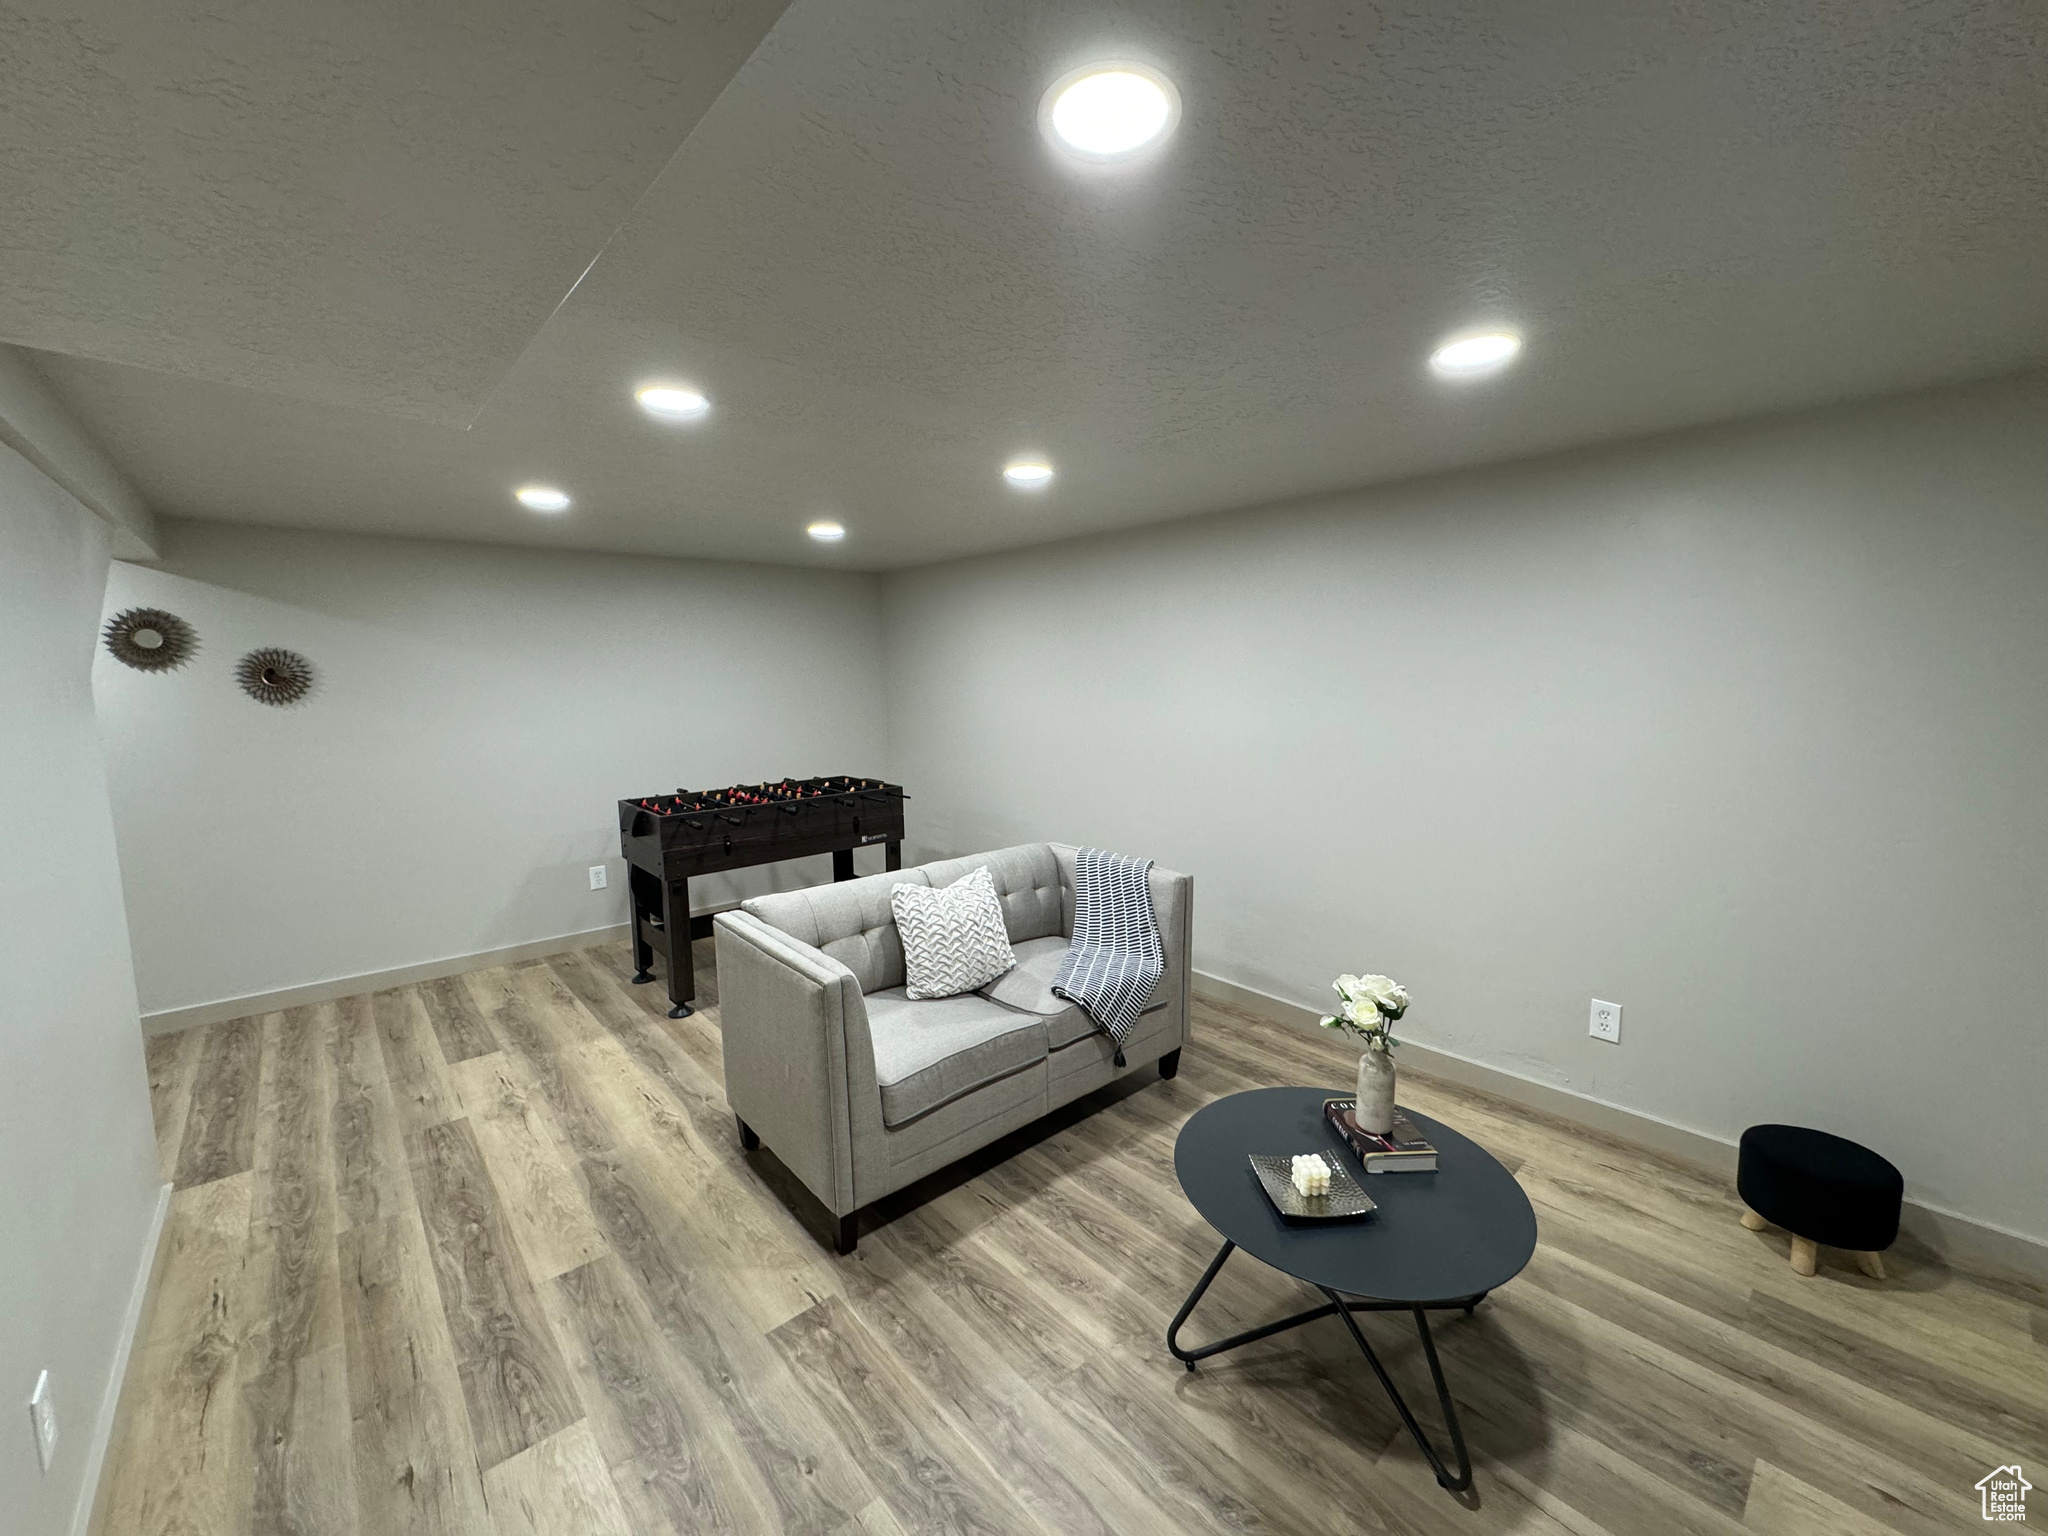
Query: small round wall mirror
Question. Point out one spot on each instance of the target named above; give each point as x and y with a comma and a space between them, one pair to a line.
149, 639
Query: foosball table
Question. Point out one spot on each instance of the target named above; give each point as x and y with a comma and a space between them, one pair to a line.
668, 838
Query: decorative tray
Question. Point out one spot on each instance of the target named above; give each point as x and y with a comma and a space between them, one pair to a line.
1276, 1177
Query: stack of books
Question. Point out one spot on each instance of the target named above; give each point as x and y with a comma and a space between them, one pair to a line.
1404, 1149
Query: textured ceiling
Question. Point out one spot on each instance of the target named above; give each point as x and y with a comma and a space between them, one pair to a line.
373, 204
1693, 211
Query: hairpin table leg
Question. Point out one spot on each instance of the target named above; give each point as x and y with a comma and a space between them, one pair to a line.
1190, 1356
1339, 1307
1463, 1480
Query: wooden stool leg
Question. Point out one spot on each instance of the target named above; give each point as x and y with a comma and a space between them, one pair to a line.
1751, 1220
1871, 1264
1805, 1257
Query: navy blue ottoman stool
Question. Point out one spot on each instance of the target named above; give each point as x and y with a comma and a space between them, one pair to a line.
1821, 1189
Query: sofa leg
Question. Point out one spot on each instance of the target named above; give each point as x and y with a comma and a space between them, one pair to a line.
1871, 1265
749, 1142
848, 1234
1805, 1256
1169, 1064
1751, 1220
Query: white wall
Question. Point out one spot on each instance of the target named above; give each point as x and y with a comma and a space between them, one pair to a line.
1745, 729
479, 712
78, 1165
35, 424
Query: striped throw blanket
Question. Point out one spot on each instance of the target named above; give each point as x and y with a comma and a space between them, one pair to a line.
1115, 960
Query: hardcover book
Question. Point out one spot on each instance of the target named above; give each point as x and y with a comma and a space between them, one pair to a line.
1404, 1149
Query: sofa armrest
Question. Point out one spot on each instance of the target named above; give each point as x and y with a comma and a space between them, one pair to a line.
1173, 907
797, 1050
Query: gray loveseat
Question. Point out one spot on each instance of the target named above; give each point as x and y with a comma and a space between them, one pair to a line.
858, 1089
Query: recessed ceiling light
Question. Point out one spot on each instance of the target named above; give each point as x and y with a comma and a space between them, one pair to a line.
826, 532
672, 402
542, 498
1466, 356
1108, 112
1028, 474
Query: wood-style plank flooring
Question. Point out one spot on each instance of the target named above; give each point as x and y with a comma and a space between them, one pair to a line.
484, 1255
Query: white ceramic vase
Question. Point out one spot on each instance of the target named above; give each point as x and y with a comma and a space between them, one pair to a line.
1376, 1092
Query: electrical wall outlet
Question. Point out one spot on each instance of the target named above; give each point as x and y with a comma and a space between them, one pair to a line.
1605, 1023
599, 879
42, 1418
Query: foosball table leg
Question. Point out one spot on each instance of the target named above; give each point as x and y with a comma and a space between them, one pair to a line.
636, 909
682, 967
893, 856
842, 864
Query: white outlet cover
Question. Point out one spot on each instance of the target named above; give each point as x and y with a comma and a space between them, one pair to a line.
599, 879
1604, 1023
42, 1417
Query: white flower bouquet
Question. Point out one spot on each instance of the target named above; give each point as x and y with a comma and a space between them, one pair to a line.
1371, 1004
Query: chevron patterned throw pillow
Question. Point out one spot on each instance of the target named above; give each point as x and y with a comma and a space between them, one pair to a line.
954, 938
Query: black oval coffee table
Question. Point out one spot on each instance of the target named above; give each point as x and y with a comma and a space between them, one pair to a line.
1438, 1240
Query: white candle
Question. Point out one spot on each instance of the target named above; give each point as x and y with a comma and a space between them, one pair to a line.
1311, 1175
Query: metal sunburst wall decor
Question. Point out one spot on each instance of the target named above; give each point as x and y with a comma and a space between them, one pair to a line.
270, 675
149, 639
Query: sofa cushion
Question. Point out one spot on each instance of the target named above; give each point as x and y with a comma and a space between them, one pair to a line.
954, 939
928, 1053
851, 921
1028, 986
1091, 1060
1027, 882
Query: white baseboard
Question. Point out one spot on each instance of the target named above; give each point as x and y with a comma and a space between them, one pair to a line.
1969, 1241
117, 1375
171, 1020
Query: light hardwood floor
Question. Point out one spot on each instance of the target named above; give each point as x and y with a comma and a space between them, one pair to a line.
484, 1255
